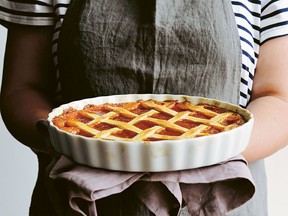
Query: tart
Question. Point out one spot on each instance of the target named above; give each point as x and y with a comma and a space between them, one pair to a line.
147, 120
149, 132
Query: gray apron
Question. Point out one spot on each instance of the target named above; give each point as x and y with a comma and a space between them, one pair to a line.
187, 47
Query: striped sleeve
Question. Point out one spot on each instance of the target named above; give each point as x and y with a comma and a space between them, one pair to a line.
27, 12
274, 19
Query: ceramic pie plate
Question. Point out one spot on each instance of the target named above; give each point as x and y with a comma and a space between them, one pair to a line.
154, 156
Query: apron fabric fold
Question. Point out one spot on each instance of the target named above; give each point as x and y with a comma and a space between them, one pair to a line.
126, 47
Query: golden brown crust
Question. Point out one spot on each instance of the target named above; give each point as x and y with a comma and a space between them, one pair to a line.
147, 120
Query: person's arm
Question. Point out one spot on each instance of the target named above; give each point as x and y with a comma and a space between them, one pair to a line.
269, 102
28, 82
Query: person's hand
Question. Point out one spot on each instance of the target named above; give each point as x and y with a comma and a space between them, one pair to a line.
42, 128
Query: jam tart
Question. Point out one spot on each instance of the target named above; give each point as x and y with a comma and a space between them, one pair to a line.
147, 120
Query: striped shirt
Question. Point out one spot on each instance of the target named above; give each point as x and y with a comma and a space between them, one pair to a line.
257, 22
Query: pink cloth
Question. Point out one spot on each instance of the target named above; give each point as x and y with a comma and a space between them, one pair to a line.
211, 190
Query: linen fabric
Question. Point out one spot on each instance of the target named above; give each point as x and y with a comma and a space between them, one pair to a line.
212, 190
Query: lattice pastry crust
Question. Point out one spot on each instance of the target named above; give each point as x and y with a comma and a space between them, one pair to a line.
147, 120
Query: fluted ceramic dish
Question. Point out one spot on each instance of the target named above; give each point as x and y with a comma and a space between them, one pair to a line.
154, 156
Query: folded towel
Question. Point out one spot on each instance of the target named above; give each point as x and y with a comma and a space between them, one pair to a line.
213, 190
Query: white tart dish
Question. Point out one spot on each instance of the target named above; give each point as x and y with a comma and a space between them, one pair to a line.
154, 156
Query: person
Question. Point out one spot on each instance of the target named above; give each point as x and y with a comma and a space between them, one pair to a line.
234, 50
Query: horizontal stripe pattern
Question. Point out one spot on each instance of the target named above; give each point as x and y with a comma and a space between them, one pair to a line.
257, 22
274, 19
27, 12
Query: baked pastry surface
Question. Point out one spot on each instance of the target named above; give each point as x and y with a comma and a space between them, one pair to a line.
147, 120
